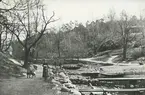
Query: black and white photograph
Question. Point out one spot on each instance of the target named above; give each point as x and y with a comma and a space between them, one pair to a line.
72, 47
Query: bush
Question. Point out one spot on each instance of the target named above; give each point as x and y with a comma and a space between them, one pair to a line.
136, 44
110, 45
138, 52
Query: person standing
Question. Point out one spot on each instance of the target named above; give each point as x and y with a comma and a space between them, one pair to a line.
45, 70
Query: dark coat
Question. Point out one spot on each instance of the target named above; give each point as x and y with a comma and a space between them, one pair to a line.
45, 71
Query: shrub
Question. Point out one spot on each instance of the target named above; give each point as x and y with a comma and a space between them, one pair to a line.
138, 52
109, 45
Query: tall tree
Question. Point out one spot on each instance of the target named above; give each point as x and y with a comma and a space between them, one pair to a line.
125, 32
29, 25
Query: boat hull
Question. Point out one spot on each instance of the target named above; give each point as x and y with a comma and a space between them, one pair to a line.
112, 75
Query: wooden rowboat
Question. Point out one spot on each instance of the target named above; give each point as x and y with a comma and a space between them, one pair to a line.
71, 67
112, 74
91, 74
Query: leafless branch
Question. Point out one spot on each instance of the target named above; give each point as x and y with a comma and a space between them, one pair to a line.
43, 29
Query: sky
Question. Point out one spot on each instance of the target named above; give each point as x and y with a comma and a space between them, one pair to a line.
88, 10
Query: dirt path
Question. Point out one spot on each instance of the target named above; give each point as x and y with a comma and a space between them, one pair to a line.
96, 61
24, 86
111, 58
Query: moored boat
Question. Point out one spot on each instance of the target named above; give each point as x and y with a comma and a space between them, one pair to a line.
91, 74
71, 66
112, 74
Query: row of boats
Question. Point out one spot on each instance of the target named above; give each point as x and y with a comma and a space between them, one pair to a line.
96, 73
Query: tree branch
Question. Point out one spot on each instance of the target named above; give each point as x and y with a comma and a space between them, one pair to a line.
43, 30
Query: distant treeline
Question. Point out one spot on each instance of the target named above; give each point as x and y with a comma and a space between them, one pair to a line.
74, 40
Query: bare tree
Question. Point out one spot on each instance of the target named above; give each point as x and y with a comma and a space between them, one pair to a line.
5, 39
125, 32
5, 35
111, 15
29, 25
7, 8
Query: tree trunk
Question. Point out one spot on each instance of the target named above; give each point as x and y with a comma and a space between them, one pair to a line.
124, 48
0, 43
124, 51
26, 58
59, 52
125, 42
